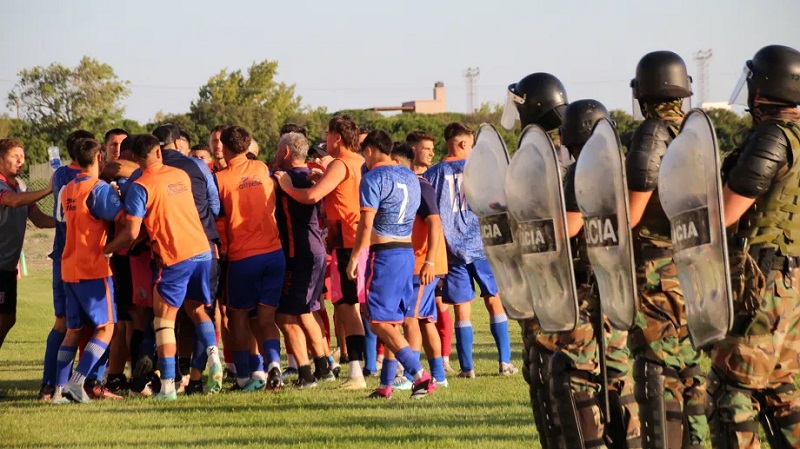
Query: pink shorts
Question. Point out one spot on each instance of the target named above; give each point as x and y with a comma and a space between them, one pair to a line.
142, 274
336, 280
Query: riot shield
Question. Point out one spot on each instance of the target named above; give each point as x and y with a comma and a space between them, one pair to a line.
602, 195
484, 184
690, 191
536, 203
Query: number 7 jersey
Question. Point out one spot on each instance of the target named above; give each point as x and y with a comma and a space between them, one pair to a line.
392, 191
460, 225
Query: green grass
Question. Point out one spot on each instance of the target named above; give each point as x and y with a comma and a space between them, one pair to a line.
488, 412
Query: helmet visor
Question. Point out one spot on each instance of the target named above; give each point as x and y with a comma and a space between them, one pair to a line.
510, 112
739, 95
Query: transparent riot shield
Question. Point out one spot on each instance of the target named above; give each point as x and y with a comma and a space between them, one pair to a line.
602, 194
484, 184
690, 191
536, 202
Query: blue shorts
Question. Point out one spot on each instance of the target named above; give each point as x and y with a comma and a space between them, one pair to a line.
90, 303
302, 287
424, 305
256, 280
59, 291
185, 280
390, 278
459, 284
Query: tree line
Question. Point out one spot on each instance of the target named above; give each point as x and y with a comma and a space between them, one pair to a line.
54, 100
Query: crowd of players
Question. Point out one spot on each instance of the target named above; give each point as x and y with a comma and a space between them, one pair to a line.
164, 251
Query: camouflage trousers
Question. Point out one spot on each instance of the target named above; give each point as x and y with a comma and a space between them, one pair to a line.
581, 347
757, 366
661, 336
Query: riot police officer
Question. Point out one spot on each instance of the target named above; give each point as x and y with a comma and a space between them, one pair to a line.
670, 386
755, 367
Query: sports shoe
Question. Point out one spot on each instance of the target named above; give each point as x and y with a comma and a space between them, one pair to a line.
402, 384
117, 384
214, 380
60, 399
166, 397
290, 371
336, 369
254, 385
423, 386
507, 369
447, 368
330, 377
354, 383
381, 393
302, 384
194, 387
443, 384
46, 393
77, 393
369, 373
467, 374
96, 390
274, 381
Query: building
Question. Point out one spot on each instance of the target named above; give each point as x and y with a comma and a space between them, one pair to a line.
436, 106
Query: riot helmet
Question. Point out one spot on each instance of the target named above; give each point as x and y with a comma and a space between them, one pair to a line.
539, 99
579, 120
661, 76
773, 73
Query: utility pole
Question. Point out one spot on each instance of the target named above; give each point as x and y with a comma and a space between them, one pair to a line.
471, 74
18, 106
703, 60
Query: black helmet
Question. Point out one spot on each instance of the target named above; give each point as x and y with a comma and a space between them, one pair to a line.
661, 75
579, 120
542, 99
775, 74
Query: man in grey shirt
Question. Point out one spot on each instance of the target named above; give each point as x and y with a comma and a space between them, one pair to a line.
16, 206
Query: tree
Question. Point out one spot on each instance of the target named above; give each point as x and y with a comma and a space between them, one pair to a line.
730, 128
255, 101
625, 126
55, 100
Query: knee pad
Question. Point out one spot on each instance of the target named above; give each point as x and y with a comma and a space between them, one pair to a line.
661, 419
165, 331
575, 409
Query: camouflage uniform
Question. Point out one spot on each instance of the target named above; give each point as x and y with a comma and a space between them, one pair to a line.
756, 366
660, 334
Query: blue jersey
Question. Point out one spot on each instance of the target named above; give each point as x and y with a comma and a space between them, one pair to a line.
62, 176
462, 232
104, 202
393, 192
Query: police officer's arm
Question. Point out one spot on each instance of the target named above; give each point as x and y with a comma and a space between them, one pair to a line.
333, 176
648, 145
764, 155
574, 217
39, 218
363, 234
17, 199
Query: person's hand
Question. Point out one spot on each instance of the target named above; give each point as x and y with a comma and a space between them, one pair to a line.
50, 185
352, 268
426, 274
315, 175
284, 180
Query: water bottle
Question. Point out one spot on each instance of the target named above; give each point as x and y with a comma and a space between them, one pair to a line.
55, 157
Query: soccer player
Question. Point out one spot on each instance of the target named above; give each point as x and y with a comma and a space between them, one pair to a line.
430, 263
465, 256
16, 206
112, 146
88, 205
301, 237
202, 152
184, 143
62, 176
256, 264
162, 199
389, 198
216, 146
339, 187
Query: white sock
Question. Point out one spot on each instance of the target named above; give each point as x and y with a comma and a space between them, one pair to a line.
77, 379
213, 355
167, 386
355, 370
258, 375
292, 362
242, 381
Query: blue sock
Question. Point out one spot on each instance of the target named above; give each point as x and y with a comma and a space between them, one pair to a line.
370, 347
49, 373
410, 363
406, 373
388, 371
64, 360
499, 327
256, 363
241, 360
437, 369
93, 353
99, 368
167, 367
464, 337
271, 350
204, 337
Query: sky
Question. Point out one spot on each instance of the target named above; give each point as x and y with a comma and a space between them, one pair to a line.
352, 54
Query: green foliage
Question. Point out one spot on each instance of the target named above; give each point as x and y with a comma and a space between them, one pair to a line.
625, 126
56, 100
730, 128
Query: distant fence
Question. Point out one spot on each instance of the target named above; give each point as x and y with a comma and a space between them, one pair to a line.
37, 178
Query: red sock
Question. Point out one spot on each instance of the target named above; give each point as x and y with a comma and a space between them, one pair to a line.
219, 337
227, 354
380, 347
444, 325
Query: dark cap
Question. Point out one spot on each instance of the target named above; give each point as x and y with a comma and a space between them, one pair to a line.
321, 149
167, 133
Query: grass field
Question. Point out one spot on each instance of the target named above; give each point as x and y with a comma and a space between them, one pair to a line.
488, 412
